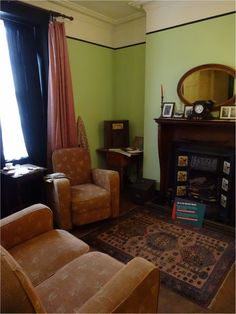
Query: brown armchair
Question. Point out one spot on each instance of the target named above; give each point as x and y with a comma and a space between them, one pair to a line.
46, 270
84, 195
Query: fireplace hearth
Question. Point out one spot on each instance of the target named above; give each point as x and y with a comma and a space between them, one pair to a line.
197, 162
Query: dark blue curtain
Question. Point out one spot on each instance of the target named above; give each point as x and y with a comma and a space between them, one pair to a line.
27, 36
1, 149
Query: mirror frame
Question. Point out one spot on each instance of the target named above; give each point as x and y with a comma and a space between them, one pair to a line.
209, 66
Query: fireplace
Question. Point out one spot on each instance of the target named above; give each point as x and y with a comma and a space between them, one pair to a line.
206, 175
197, 162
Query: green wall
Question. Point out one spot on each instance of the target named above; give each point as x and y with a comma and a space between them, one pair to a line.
114, 84
108, 84
129, 80
169, 54
92, 79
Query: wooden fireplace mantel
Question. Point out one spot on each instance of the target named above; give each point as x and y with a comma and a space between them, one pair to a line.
209, 133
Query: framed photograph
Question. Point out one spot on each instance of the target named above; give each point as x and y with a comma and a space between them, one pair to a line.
227, 112
232, 114
168, 108
188, 111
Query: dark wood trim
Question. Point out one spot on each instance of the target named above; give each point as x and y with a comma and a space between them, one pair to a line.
89, 42
92, 43
144, 42
130, 45
192, 22
213, 122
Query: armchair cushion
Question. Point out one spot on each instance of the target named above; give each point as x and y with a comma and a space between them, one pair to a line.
89, 203
51, 250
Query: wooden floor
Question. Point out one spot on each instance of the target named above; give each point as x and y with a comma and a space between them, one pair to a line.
171, 302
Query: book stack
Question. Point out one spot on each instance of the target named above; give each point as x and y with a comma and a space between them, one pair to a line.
188, 211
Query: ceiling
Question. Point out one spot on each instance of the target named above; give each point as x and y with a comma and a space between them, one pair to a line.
111, 11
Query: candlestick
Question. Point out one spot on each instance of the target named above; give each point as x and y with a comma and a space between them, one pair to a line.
162, 97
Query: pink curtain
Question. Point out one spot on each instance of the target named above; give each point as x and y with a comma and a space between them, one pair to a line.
62, 129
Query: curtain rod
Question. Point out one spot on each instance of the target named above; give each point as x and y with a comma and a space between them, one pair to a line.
57, 14
52, 13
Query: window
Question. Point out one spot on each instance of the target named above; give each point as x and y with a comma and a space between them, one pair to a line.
12, 137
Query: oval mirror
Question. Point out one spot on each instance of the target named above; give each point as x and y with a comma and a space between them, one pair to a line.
208, 82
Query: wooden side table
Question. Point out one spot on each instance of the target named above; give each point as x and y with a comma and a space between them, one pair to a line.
121, 162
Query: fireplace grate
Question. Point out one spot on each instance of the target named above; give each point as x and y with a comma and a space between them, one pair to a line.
206, 177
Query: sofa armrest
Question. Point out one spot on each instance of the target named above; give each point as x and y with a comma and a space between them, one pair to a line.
25, 224
134, 289
109, 180
58, 191
17, 292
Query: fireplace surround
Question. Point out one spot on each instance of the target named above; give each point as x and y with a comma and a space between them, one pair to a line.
197, 162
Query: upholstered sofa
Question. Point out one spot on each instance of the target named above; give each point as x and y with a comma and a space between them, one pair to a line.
84, 194
45, 270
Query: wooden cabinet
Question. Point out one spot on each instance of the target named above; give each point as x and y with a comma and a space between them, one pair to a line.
21, 187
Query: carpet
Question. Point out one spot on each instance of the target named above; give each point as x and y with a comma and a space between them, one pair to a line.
192, 261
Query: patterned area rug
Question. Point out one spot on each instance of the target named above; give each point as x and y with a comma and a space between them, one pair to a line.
192, 261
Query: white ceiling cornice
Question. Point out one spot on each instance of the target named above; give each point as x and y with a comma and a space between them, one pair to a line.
139, 4
170, 13
84, 10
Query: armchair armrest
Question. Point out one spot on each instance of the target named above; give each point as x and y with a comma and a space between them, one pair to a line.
109, 180
25, 224
134, 289
58, 191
